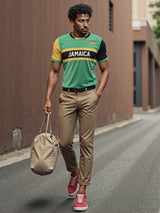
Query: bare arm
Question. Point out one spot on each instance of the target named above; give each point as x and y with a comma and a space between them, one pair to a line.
103, 79
52, 81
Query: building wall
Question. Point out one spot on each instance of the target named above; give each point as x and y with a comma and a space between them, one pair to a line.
150, 12
157, 77
141, 10
29, 29
150, 64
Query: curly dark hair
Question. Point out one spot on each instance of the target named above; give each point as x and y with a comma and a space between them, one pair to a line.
79, 9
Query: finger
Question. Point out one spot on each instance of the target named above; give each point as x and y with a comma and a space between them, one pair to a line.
45, 110
48, 110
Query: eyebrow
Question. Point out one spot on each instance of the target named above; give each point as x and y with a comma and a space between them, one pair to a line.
84, 19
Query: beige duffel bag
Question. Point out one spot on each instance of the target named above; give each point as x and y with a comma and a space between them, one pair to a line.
44, 150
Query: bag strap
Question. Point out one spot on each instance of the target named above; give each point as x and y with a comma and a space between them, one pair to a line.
47, 121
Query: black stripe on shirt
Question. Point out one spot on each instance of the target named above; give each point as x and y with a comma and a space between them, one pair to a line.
102, 53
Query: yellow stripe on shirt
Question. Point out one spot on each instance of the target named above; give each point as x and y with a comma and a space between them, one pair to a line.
81, 58
56, 51
79, 48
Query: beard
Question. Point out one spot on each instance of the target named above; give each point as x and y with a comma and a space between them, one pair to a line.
84, 31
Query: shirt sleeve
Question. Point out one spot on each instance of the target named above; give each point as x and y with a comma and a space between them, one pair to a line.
102, 53
56, 55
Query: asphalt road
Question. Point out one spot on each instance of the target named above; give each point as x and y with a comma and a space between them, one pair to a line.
125, 179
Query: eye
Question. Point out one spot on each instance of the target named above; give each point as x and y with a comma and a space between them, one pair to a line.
81, 20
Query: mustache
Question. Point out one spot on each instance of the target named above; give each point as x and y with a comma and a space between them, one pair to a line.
85, 28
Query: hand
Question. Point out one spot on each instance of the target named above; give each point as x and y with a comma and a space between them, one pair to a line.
47, 107
98, 95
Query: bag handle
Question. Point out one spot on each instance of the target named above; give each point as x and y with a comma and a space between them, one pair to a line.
47, 121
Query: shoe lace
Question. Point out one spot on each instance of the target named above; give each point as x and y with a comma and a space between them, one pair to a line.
80, 198
73, 180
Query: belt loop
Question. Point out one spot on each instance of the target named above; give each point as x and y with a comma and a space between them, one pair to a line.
68, 89
85, 88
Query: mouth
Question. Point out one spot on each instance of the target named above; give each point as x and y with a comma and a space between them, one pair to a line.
84, 30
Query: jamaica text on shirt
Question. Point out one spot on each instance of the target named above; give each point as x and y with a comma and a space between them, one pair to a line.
79, 54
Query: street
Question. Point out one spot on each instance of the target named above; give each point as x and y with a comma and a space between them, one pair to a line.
125, 179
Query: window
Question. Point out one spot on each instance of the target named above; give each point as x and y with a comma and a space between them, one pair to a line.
134, 98
151, 12
110, 16
134, 78
134, 59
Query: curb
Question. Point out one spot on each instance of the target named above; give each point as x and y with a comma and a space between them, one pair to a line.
17, 156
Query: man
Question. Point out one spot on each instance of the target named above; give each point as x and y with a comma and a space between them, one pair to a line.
78, 51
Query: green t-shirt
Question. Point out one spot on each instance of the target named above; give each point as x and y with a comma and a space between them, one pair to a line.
79, 57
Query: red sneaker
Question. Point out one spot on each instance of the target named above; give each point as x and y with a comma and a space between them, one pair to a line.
81, 202
73, 186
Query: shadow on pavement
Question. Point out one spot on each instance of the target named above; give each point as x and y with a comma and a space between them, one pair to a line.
48, 205
66, 206
39, 203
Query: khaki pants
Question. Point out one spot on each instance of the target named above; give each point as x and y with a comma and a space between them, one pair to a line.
81, 105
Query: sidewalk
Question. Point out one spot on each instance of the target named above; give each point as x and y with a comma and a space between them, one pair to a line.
23, 154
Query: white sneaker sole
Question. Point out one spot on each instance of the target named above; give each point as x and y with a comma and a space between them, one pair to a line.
80, 208
73, 194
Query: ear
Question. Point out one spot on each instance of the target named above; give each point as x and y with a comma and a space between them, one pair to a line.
72, 22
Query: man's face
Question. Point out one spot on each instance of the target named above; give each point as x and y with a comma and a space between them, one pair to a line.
81, 24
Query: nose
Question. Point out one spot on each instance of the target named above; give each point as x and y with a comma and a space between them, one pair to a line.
85, 24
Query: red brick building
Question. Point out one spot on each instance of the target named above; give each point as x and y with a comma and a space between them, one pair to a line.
28, 31
146, 67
